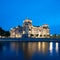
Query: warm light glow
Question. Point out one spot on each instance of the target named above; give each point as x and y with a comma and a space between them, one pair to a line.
13, 33
39, 46
43, 46
27, 21
29, 29
31, 48
17, 35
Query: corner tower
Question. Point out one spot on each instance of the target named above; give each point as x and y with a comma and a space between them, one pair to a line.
27, 25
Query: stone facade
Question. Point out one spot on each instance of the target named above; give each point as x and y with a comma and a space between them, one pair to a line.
28, 30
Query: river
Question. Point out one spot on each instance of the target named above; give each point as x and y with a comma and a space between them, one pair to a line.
29, 50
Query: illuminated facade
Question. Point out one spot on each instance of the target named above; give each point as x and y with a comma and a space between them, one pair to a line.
28, 30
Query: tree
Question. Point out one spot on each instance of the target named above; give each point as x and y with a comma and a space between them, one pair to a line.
1, 32
7, 33
58, 36
54, 36
4, 33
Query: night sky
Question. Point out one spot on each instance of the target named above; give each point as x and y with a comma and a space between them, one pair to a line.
13, 12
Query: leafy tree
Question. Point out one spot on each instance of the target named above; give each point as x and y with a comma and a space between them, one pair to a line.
4, 33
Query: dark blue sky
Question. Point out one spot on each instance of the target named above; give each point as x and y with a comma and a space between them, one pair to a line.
13, 12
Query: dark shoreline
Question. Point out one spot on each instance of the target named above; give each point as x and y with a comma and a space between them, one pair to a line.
31, 39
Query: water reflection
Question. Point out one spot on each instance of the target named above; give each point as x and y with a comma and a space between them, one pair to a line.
28, 49
31, 47
43, 47
39, 46
57, 47
51, 47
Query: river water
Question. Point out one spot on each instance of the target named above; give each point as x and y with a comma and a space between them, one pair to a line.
29, 51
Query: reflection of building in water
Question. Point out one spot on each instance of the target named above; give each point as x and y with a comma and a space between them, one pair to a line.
29, 48
43, 47
39, 46
16, 46
57, 47
28, 30
51, 47
32, 47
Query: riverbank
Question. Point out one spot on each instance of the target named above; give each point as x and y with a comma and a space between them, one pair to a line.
31, 39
